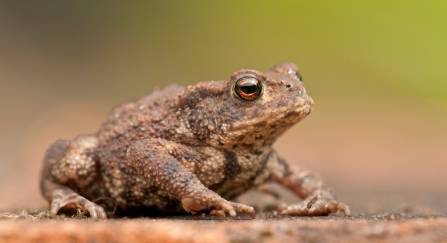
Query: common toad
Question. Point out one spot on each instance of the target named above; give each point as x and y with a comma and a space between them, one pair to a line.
190, 149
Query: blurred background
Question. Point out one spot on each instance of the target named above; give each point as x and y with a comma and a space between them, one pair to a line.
377, 71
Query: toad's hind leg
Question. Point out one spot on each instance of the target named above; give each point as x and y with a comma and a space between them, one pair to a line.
70, 166
318, 197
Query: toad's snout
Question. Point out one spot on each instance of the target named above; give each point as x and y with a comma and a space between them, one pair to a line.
303, 97
304, 101
310, 101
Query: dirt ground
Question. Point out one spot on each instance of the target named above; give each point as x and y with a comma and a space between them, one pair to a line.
416, 221
36, 227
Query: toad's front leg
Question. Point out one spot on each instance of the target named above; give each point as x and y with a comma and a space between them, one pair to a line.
152, 158
318, 197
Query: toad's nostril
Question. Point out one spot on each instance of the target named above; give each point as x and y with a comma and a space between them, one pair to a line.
288, 86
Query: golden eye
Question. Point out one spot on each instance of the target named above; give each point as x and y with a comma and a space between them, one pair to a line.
248, 88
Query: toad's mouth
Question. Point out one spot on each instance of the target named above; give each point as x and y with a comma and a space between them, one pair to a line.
286, 116
298, 113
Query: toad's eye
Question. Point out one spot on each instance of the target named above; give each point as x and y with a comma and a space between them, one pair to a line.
248, 88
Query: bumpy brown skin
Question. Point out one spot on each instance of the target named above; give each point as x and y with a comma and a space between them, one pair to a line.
194, 148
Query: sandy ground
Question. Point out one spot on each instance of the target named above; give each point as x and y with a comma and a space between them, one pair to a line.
35, 227
410, 222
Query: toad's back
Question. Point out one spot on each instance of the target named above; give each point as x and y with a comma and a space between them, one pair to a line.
147, 117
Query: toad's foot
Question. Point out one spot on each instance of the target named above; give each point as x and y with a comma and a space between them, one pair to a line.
71, 200
218, 208
316, 205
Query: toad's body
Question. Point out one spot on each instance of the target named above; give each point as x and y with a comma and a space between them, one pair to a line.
192, 148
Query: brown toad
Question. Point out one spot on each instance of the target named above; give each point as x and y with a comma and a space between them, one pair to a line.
193, 148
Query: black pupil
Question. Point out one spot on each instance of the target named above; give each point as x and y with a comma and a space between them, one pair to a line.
249, 87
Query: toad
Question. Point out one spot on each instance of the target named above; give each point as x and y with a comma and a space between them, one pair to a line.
190, 149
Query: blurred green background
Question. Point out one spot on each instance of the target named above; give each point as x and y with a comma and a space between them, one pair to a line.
377, 71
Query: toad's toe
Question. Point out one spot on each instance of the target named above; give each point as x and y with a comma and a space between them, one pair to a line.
74, 201
318, 207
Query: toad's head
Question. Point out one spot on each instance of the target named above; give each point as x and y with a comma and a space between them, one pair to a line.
252, 108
